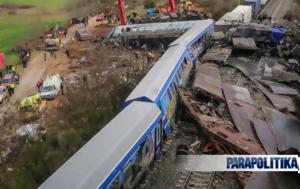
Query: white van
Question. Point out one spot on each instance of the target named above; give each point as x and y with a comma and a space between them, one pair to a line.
51, 87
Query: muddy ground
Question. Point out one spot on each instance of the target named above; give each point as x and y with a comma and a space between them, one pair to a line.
111, 74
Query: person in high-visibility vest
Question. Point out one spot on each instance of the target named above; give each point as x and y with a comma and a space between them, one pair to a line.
14, 69
11, 89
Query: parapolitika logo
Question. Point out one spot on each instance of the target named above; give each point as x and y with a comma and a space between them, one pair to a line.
284, 163
252, 163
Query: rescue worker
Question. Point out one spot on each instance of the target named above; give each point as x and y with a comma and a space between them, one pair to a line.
68, 53
17, 78
62, 85
45, 56
11, 89
66, 32
14, 69
39, 85
150, 57
62, 88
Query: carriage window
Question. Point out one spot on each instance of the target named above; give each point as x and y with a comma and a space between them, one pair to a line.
146, 146
115, 183
185, 62
169, 93
182, 65
181, 68
139, 155
172, 88
179, 76
127, 172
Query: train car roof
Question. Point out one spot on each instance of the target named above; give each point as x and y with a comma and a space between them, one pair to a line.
156, 80
182, 25
96, 160
194, 33
153, 84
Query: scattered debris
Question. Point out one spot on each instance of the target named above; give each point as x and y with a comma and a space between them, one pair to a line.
264, 180
5, 154
280, 89
280, 102
31, 130
218, 129
244, 43
252, 71
217, 35
284, 76
286, 131
265, 136
241, 108
208, 80
218, 54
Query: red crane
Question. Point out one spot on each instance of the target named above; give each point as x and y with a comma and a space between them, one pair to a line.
122, 9
173, 6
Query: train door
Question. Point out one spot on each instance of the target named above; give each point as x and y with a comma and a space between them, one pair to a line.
158, 141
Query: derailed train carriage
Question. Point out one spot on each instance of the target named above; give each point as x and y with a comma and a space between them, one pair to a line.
159, 85
119, 155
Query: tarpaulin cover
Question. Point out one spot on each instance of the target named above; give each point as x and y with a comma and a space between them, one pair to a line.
2, 64
151, 11
277, 34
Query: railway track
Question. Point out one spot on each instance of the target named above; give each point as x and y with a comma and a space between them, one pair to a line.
195, 180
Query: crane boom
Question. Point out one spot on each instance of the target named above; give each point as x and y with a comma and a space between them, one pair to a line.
122, 11
173, 6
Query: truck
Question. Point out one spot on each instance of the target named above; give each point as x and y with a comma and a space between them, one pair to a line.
51, 87
7, 79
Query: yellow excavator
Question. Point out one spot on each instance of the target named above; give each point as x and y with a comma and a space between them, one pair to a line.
186, 5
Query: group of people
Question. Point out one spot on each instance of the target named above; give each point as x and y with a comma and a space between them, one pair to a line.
262, 18
9, 69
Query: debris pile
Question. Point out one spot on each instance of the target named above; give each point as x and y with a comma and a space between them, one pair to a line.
257, 90
31, 130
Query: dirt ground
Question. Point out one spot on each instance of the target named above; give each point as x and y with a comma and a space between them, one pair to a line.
38, 69
106, 61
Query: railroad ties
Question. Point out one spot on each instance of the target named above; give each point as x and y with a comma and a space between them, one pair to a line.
195, 180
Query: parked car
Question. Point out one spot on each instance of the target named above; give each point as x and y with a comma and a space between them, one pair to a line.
100, 18
51, 87
3, 93
7, 79
83, 34
51, 44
